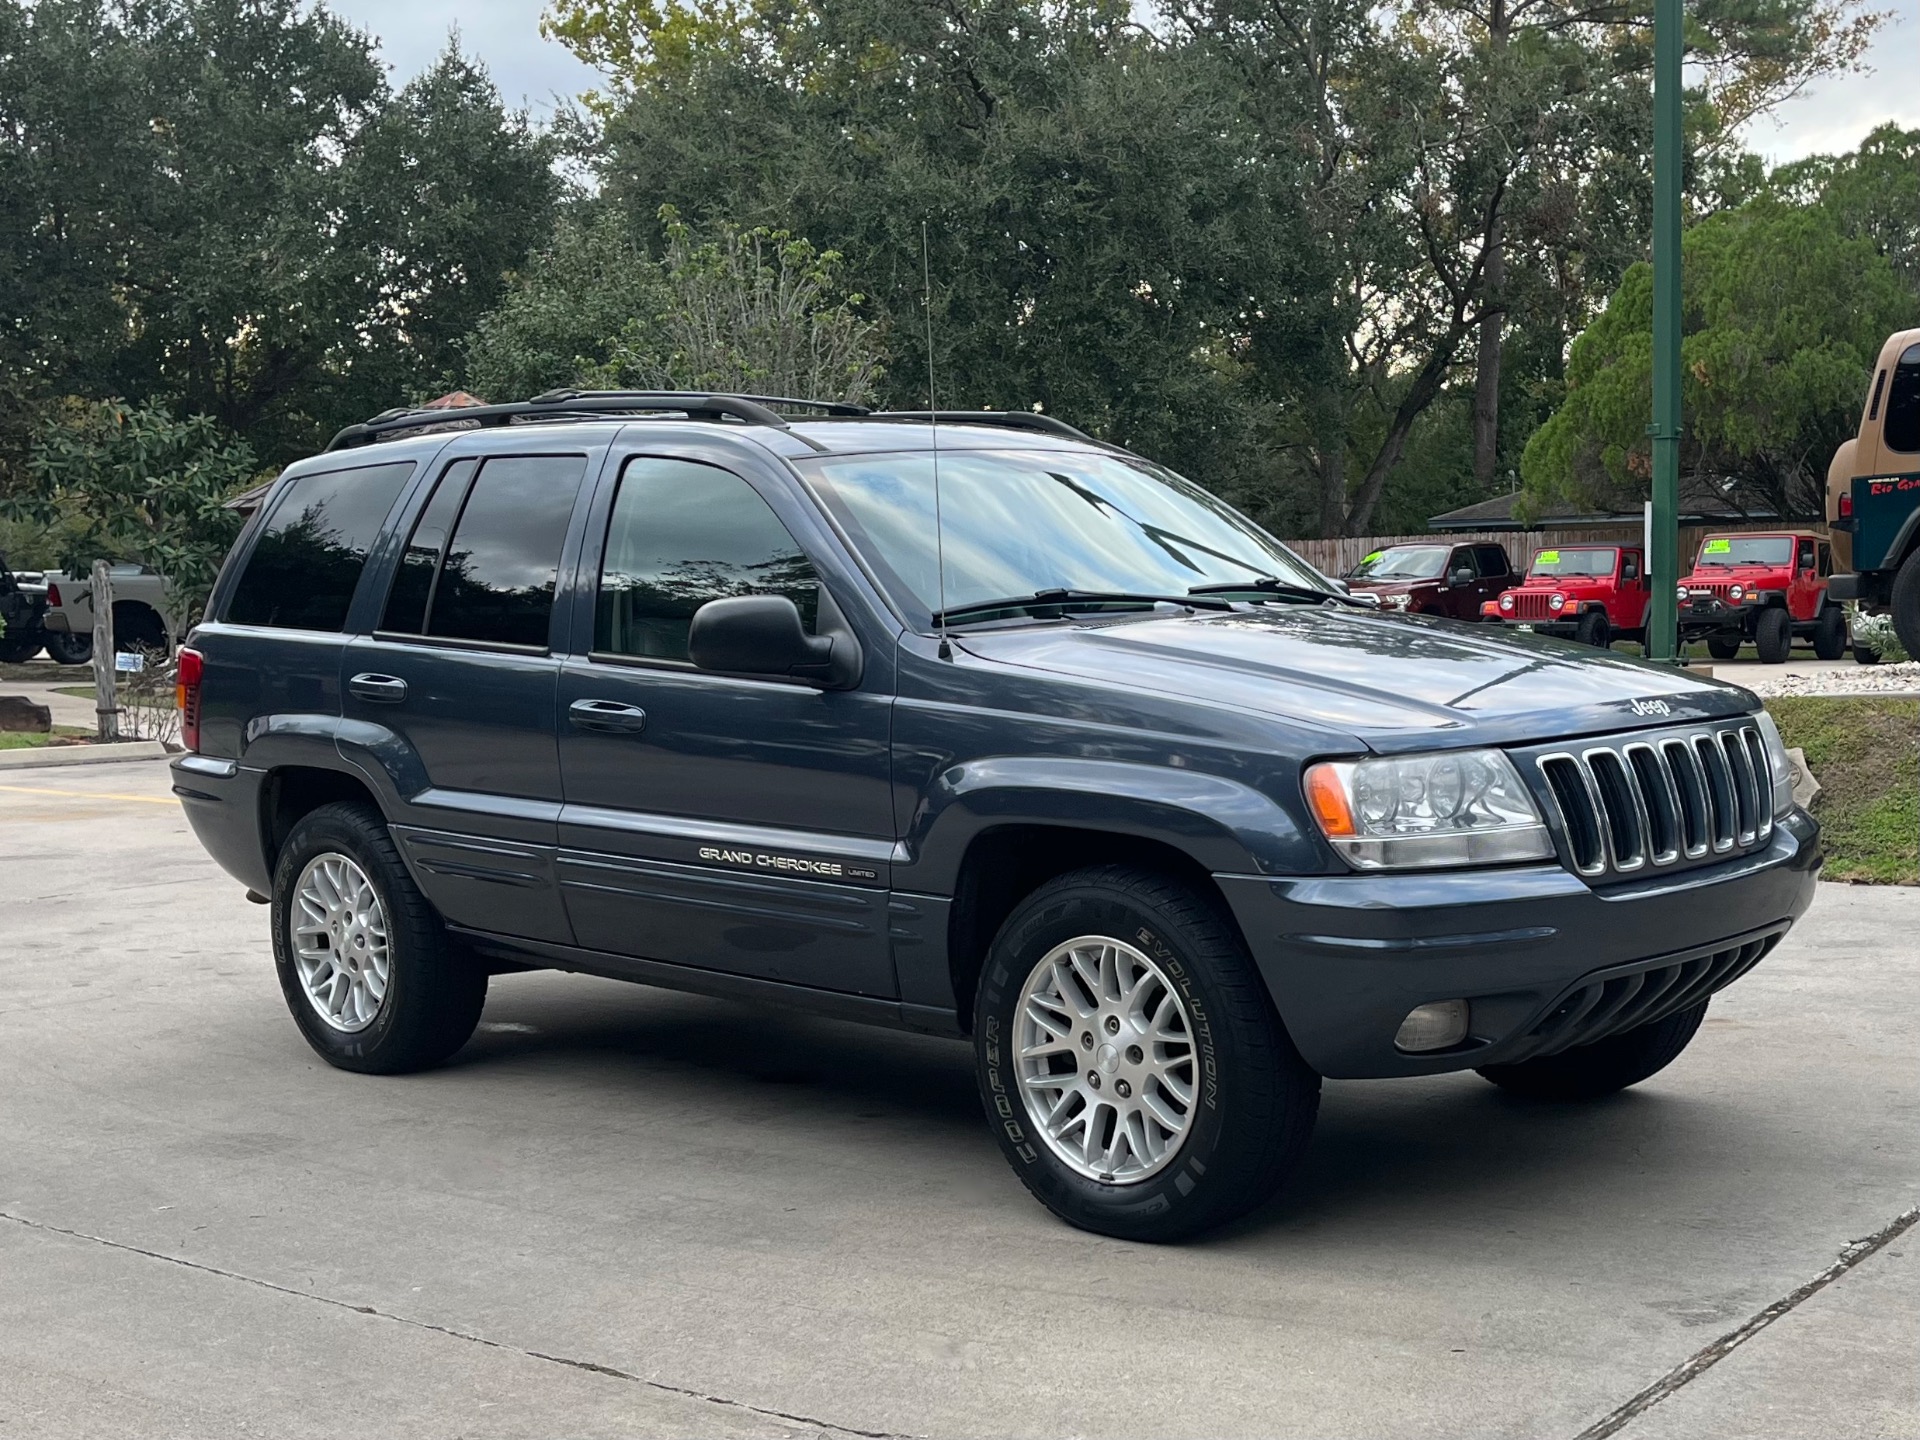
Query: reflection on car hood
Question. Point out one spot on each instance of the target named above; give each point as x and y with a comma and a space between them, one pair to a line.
1395, 683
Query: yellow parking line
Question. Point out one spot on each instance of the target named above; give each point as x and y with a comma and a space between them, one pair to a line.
89, 794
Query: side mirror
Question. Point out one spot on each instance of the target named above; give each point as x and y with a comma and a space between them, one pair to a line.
762, 635
1461, 576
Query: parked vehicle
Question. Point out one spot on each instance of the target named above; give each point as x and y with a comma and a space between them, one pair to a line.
139, 604
1076, 763
23, 607
1595, 594
1763, 588
1873, 496
1437, 579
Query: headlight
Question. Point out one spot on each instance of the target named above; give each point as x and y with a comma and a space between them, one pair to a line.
1736, 593
1683, 594
1397, 602
1506, 602
1556, 602
1778, 763
1414, 812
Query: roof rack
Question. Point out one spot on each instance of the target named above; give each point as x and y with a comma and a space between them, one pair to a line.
1010, 419
694, 404
554, 404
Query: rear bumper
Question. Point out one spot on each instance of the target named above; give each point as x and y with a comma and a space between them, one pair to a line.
1534, 950
222, 801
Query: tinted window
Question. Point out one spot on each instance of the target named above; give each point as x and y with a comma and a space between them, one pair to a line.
1903, 403
683, 534
1493, 560
413, 584
496, 582
312, 548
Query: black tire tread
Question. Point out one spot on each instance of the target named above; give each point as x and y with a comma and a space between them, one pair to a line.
1830, 633
1722, 648
1906, 604
1773, 636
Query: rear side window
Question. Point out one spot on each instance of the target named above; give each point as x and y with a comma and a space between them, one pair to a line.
313, 546
1903, 404
680, 535
482, 559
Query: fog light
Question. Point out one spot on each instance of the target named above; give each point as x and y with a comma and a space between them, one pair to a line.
1433, 1027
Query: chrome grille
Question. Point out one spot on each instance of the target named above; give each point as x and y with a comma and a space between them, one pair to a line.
1636, 803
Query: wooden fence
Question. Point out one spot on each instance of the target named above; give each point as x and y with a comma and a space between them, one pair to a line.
1339, 555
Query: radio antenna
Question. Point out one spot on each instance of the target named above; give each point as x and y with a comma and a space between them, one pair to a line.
933, 425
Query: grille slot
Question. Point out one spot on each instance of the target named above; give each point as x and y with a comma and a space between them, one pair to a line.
1531, 605
1596, 1009
1630, 804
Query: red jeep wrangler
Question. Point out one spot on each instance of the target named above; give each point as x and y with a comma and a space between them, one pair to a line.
1595, 594
1766, 588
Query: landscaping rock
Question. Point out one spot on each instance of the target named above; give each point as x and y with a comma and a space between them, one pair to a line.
18, 713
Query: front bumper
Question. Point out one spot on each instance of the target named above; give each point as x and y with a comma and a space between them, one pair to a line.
1346, 957
1710, 615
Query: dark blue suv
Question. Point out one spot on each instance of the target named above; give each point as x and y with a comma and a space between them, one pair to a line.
968, 724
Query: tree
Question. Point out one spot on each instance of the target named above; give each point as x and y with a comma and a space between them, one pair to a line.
137, 485
1872, 193
1783, 317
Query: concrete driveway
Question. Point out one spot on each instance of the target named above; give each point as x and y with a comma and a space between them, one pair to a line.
622, 1212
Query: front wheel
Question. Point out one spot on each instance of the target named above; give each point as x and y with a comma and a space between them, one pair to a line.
1586, 1072
1723, 647
1133, 1068
364, 962
1592, 629
1773, 636
1830, 633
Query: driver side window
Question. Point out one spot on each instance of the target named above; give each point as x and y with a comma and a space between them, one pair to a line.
682, 534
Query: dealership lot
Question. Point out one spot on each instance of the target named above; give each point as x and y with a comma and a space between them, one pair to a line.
622, 1212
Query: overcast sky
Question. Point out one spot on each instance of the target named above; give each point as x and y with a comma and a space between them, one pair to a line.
506, 34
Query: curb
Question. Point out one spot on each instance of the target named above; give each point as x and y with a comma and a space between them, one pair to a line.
82, 754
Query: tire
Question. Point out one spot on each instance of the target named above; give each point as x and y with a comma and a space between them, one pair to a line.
1906, 604
18, 649
1252, 1099
1592, 629
1723, 647
1830, 633
1773, 635
1865, 654
432, 994
1586, 1072
70, 649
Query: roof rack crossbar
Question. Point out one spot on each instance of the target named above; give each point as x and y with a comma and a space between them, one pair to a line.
1010, 419
695, 404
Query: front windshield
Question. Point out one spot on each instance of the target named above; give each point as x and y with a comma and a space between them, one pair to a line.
1017, 522
1746, 550
1573, 562
1403, 562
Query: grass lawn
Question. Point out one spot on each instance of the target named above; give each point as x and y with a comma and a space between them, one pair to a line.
1865, 752
26, 739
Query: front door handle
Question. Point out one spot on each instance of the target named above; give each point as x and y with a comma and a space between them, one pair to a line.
608, 717
380, 689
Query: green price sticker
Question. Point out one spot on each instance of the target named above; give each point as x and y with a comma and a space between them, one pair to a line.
1547, 557
1718, 547
1368, 560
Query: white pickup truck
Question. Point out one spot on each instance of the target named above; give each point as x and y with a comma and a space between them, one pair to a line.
137, 623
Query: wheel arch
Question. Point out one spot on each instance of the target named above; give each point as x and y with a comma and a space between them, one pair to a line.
291, 792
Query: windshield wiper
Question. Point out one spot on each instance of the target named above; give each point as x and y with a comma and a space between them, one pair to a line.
1062, 599
1267, 585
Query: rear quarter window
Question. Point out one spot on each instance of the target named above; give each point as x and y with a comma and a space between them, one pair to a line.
303, 569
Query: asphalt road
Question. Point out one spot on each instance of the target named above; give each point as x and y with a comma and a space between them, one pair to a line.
622, 1212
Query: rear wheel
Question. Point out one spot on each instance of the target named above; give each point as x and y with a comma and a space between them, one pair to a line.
1723, 647
1586, 1072
1592, 629
364, 962
1906, 605
1773, 636
18, 648
1830, 633
1130, 1060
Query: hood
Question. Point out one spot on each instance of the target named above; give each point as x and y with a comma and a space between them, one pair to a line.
1745, 574
1393, 586
1395, 683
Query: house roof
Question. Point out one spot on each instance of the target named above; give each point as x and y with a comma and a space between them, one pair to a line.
1702, 501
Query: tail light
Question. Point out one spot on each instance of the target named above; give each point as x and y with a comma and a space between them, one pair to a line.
1846, 506
186, 690
53, 596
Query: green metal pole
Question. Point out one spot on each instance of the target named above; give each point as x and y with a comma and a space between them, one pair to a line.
1664, 562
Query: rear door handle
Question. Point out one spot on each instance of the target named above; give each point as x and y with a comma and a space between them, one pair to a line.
609, 717
381, 689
